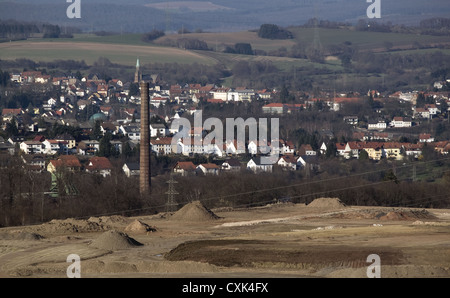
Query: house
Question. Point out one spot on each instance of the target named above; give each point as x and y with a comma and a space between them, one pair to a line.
131, 169
425, 138
441, 147
232, 165
341, 149
133, 132
108, 127
7, 148
432, 109
67, 162
88, 147
213, 148
208, 169
256, 166
308, 162
323, 148
233, 147
163, 146
107, 110
352, 149
274, 108
414, 150
184, 168
31, 147
54, 147
99, 165
35, 162
288, 162
422, 113
258, 147
220, 93
374, 150
9, 114
352, 120
400, 122
393, 150
157, 101
306, 149
158, 130
376, 124
287, 147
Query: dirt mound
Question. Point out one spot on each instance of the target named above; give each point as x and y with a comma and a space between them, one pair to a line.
72, 226
327, 203
194, 211
114, 240
114, 219
407, 215
138, 226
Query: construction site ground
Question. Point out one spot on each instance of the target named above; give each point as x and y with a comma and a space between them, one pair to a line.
278, 240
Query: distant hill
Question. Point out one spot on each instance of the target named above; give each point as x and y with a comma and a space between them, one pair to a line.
140, 16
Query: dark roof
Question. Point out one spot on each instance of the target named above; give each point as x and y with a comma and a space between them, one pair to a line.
233, 162
133, 166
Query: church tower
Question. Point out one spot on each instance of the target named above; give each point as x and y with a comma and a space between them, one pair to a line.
137, 74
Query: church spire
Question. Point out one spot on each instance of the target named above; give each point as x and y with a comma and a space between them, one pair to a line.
137, 74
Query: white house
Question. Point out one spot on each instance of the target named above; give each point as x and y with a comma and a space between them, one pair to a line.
157, 129
399, 122
256, 166
234, 148
131, 169
288, 162
53, 147
377, 124
133, 132
232, 165
208, 169
163, 146
31, 147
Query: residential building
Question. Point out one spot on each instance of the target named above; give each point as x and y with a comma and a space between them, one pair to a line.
208, 169
184, 168
232, 165
99, 165
131, 169
255, 165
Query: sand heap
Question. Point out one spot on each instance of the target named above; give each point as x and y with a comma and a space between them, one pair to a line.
138, 226
114, 240
194, 211
332, 203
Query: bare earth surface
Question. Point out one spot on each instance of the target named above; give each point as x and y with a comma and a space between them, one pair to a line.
322, 239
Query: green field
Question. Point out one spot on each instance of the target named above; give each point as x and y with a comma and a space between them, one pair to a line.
118, 49
126, 48
305, 36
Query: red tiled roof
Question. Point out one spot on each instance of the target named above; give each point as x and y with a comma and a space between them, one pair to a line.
185, 165
99, 163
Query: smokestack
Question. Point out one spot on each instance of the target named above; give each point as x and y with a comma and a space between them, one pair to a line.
144, 178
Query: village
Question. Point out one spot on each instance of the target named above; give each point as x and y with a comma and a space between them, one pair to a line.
111, 109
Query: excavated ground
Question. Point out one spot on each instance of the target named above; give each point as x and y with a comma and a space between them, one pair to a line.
324, 239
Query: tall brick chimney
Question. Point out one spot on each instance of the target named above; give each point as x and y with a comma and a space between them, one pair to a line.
145, 177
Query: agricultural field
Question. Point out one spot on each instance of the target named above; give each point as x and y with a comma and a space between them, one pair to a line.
121, 49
